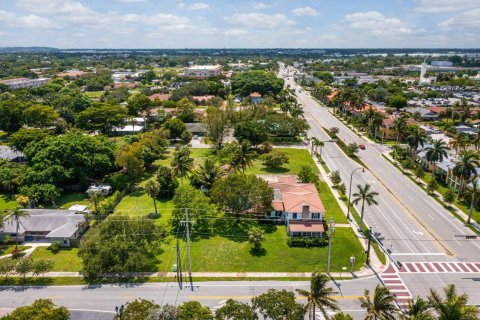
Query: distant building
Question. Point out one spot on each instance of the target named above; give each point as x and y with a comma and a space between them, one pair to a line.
203, 72
20, 83
256, 97
441, 64
160, 96
137, 125
71, 74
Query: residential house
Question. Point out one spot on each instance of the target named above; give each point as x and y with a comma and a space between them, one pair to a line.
199, 129
256, 97
203, 72
466, 129
298, 204
136, 125
51, 225
160, 96
425, 114
20, 83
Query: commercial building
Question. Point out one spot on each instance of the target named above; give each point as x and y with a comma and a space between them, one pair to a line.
20, 83
203, 72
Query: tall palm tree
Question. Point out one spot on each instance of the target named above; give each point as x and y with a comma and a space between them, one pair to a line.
243, 156
364, 194
341, 316
476, 140
466, 167
152, 187
416, 138
16, 215
459, 141
376, 123
399, 125
474, 194
418, 309
208, 172
381, 307
453, 306
435, 153
320, 144
319, 295
181, 163
313, 143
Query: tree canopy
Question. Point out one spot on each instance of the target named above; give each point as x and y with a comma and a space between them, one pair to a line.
256, 81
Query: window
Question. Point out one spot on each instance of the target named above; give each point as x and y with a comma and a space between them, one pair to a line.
294, 215
65, 241
316, 216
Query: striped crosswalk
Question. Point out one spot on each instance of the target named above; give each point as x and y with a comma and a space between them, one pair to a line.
397, 287
440, 267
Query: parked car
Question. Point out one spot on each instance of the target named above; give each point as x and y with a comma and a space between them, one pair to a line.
103, 189
362, 146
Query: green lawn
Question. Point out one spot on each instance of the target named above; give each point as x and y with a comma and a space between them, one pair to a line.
67, 200
7, 202
297, 158
224, 254
4, 250
93, 94
65, 260
332, 208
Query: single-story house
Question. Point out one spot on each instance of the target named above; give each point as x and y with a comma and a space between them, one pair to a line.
256, 97
298, 204
196, 128
9, 154
64, 226
136, 125
202, 99
160, 96
425, 114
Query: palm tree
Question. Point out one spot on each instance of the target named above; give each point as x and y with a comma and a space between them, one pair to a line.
453, 306
341, 316
313, 143
16, 214
435, 153
152, 187
243, 156
416, 138
473, 194
320, 144
459, 141
208, 172
382, 306
319, 295
418, 309
376, 122
95, 198
466, 167
399, 125
364, 194
476, 140
181, 163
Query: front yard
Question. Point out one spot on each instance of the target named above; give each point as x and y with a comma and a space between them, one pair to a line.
64, 260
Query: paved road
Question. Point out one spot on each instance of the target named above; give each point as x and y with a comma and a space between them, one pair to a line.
418, 228
98, 302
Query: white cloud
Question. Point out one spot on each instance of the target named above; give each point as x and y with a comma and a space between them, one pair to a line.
441, 6
235, 32
131, 1
468, 19
30, 21
305, 11
260, 20
198, 6
53, 6
260, 6
377, 24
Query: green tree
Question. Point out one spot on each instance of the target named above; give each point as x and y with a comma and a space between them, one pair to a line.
176, 127
381, 306
95, 198
400, 126
235, 310
11, 115
319, 295
216, 122
42, 266
279, 305
24, 266
17, 214
418, 309
335, 177
41, 192
7, 266
473, 195
341, 316
307, 175
364, 194
20, 139
435, 153
256, 236
152, 187
185, 110
40, 116
193, 310
167, 180
254, 131
416, 137
208, 172
138, 310
256, 81
138, 103
181, 163
101, 117
130, 158
243, 156
449, 197
452, 306
397, 102
238, 193
274, 159
432, 186
41, 309
465, 167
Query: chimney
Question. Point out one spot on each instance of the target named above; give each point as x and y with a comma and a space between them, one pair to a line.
306, 211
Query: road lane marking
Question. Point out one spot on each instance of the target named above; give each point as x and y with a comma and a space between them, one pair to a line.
418, 254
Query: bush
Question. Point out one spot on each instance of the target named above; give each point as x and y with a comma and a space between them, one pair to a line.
55, 246
306, 242
336, 178
449, 197
274, 159
118, 180
420, 172
352, 148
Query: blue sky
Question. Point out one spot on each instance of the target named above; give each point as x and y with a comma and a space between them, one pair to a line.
239, 23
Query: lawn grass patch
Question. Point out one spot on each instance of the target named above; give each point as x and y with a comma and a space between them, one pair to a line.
65, 201
7, 249
94, 94
7, 202
296, 159
332, 207
66, 259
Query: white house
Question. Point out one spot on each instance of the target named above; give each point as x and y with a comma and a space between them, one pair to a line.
203, 72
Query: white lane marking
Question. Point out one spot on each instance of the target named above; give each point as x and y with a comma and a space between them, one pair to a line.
418, 254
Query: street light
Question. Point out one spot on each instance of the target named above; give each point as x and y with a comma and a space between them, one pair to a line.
350, 190
120, 311
352, 263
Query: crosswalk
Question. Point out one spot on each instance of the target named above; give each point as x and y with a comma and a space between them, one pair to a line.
397, 287
440, 267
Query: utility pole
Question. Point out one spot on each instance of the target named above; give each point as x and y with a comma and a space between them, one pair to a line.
368, 245
330, 232
179, 266
187, 228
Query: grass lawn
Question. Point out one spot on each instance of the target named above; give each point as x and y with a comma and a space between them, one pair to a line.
65, 260
93, 94
7, 202
332, 208
296, 159
4, 250
230, 254
65, 201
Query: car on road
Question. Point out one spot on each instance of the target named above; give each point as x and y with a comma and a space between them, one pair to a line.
195, 137
362, 146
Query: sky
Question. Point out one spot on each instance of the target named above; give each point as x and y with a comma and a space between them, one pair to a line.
240, 23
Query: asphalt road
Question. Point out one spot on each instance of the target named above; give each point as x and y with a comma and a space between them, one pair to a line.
416, 226
98, 302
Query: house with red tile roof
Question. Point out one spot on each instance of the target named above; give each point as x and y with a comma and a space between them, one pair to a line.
160, 96
256, 97
298, 204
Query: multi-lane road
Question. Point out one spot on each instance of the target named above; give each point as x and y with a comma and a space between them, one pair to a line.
417, 227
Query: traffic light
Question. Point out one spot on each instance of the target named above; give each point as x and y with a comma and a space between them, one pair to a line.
471, 237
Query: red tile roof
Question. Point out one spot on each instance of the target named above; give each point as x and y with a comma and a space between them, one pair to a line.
306, 226
255, 95
437, 109
203, 98
160, 96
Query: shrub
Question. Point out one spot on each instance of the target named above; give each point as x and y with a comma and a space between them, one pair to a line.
335, 177
55, 246
118, 180
306, 242
274, 159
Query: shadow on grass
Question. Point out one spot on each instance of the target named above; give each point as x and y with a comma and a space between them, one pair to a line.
258, 252
278, 170
25, 281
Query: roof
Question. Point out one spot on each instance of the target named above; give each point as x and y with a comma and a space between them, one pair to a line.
306, 226
292, 196
196, 127
255, 95
71, 73
8, 153
58, 223
160, 96
437, 109
203, 98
